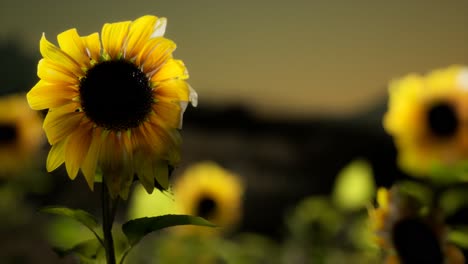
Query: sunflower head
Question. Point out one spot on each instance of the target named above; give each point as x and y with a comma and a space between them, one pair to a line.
211, 192
428, 120
20, 134
408, 234
115, 103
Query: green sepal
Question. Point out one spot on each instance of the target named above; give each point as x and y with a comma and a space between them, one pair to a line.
136, 229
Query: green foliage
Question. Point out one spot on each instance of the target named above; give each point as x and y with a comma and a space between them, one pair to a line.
459, 236
87, 251
454, 199
136, 229
85, 218
81, 216
354, 186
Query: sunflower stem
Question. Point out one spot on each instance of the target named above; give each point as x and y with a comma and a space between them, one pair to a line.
109, 207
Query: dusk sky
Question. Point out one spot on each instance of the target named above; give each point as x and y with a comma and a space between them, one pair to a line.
293, 58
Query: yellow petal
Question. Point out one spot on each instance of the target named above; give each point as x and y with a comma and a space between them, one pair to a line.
172, 91
93, 46
154, 54
113, 38
144, 139
159, 28
71, 43
88, 167
56, 156
161, 173
51, 72
169, 113
51, 52
49, 95
77, 148
139, 33
144, 170
166, 140
172, 69
116, 166
61, 122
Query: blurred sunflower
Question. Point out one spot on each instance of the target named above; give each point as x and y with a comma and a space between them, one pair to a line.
209, 191
406, 235
115, 103
428, 119
20, 134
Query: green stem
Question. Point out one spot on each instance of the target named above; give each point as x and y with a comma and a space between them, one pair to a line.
108, 212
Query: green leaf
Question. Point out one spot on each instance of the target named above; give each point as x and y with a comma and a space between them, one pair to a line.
79, 215
87, 249
136, 229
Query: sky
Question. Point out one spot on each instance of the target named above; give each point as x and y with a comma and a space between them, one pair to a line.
288, 58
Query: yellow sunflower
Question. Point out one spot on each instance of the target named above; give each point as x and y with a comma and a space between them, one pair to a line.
428, 120
115, 103
20, 134
207, 190
406, 236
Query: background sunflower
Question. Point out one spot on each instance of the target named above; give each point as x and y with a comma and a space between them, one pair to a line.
212, 192
427, 118
20, 135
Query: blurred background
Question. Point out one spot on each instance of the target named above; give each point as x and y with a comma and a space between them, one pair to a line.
289, 92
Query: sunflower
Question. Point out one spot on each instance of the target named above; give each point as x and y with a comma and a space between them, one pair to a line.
20, 134
428, 119
209, 191
407, 236
115, 103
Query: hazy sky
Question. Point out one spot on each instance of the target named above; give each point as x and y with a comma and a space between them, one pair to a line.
280, 57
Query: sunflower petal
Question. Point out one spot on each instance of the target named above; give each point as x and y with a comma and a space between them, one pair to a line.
49, 95
139, 33
159, 28
144, 171
93, 46
116, 165
51, 52
71, 43
56, 156
169, 112
167, 140
173, 91
50, 71
113, 38
161, 173
154, 54
89, 165
145, 139
172, 69
76, 149
61, 122
193, 97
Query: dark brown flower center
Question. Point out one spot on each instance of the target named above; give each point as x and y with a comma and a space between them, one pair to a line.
206, 207
8, 133
116, 95
442, 120
415, 242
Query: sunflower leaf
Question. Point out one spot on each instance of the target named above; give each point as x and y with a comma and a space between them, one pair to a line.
85, 218
87, 250
136, 229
